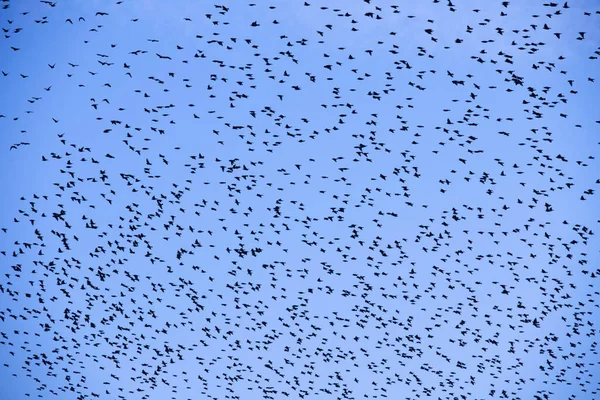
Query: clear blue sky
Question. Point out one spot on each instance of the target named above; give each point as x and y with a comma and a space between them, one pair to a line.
344, 199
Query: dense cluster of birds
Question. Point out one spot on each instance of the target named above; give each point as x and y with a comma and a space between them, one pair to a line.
344, 199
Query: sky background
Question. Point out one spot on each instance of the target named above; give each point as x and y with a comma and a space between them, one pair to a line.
343, 199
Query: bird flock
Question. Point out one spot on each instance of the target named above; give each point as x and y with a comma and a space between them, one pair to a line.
299, 199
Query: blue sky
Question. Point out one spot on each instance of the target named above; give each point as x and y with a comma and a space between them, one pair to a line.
337, 199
